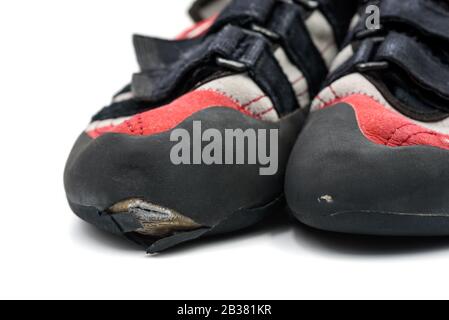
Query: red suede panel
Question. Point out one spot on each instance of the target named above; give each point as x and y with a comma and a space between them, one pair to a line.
100, 131
168, 117
383, 126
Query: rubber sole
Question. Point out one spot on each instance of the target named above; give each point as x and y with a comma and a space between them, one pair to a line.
110, 171
337, 180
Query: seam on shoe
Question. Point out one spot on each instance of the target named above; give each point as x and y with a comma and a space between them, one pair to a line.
140, 123
326, 48
259, 115
243, 107
327, 103
250, 103
334, 92
390, 139
298, 80
406, 141
130, 126
303, 93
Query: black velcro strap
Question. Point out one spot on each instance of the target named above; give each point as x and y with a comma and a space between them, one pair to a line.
403, 51
196, 9
282, 20
158, 84
339, 14
154, 53
294, 37
245, 12
364, 54
250, 52
423, 15
411, 56
202, 9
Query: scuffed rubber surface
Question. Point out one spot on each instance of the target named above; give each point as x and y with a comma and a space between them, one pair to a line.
221, 198
339, 181
124, 225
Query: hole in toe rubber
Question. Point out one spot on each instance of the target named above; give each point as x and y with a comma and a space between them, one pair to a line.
156, 221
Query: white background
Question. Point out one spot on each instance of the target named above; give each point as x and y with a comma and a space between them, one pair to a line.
60, 61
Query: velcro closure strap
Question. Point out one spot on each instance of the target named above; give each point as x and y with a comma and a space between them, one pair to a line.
364, 54
411, 56
283, 23
244, 52
245, 12
203, 9
159, 83
404, 52
339, 14
154, 53
423, 15
294, 37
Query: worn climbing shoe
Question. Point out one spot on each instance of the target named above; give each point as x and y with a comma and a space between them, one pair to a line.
198, 144
374, 156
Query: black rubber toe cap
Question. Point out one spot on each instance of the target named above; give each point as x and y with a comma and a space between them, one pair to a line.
221, 198
338, 180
